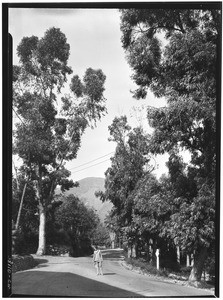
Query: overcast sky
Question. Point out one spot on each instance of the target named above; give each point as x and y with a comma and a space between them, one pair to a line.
95, 41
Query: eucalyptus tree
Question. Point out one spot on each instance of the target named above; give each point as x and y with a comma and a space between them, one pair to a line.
52, 121
184, 71
127, 167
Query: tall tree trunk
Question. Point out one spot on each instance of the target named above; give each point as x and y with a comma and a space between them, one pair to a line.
42, 214
188, 260
129, 251
178, 254
197, 269
154, 247
42, 229
20, 206
134, 250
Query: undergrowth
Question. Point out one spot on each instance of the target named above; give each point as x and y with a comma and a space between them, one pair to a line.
146, 267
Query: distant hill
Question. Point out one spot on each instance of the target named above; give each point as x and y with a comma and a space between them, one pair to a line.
86, 193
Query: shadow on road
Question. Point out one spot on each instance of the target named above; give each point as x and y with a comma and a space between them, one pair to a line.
38, 262
39, 283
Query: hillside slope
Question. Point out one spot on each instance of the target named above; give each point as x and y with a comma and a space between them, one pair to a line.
86, 193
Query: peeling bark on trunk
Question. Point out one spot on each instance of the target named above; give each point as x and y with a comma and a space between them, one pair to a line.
42, 215
42, 229
199, 260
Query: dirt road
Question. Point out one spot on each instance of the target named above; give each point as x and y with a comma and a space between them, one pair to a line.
68, 276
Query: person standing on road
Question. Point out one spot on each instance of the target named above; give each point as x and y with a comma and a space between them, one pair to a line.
97, 260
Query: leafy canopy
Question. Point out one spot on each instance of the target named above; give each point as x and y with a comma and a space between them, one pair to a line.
184, 71
48, 135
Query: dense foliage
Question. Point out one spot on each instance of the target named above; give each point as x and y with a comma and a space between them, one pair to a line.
49, 134
78, 222
178, 212
127, 167
100, 236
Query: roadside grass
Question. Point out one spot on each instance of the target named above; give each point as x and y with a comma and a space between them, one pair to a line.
181, 275
177, 273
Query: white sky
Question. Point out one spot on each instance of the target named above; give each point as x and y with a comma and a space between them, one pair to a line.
95, 41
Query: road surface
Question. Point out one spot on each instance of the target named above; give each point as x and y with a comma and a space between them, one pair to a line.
76, 277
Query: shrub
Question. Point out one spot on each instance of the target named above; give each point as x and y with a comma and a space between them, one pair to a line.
146, 267
22, 263
185, 270
25, 243
58, 250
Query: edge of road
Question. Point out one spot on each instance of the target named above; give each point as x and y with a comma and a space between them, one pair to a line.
166, 279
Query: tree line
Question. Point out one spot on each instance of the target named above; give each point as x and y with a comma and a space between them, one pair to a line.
176, 212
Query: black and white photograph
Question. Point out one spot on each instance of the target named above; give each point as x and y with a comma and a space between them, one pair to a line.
111, 149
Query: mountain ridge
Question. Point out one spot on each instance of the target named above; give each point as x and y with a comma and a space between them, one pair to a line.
86, 193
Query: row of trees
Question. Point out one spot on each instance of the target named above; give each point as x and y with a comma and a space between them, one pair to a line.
179, 209
51, 123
